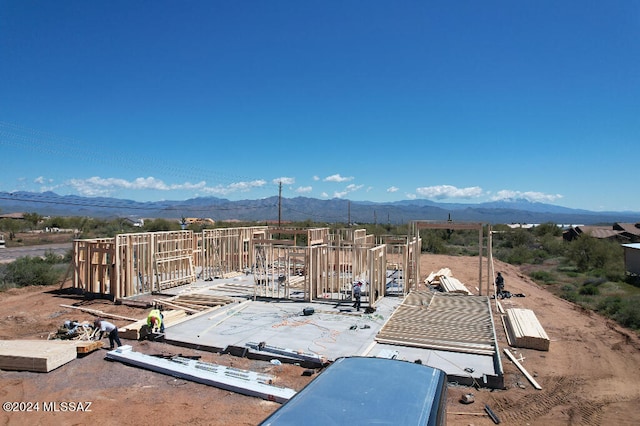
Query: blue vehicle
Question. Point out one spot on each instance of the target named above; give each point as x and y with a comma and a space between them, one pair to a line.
367, 391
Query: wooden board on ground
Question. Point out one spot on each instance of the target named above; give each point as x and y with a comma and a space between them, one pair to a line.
524, 330
36, 355
132, 331
86, 346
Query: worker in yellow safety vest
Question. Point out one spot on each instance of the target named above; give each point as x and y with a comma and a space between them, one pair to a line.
155, 320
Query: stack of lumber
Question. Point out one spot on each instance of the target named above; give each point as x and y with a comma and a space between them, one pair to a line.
452, 285
36, 355
195, 302
132, 331
524, 330
435, 276
446, 282
296, 281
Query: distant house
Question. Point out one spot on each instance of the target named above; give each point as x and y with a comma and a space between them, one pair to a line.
604, 232
629, 230
522, 225
138, 223
16, 216
632, 258
199, 221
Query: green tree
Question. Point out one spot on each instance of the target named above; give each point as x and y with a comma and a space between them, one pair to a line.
590, 254
156, 225
28, 270
33, 219
547, 228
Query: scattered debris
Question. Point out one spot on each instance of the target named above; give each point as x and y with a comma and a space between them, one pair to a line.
522, 369
467, 398
81, 334
73, 330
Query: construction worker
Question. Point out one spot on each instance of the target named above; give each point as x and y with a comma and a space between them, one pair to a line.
155, 321
499, 284
357, 292
107, 327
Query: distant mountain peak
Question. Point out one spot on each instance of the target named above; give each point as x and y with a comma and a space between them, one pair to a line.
337, 210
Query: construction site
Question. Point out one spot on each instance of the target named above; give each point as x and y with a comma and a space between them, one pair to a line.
244, 307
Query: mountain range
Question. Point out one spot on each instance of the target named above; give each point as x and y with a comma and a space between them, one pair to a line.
303, 208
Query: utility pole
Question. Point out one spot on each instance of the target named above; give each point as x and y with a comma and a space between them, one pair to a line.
280, 205
349, 213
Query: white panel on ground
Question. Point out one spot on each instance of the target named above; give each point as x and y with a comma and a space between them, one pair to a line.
232, 379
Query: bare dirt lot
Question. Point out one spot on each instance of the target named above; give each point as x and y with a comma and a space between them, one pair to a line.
590, 375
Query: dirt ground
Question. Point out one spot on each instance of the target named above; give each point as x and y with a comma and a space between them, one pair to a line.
590, 375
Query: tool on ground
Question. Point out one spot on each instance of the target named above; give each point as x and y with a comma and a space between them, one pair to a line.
491, 414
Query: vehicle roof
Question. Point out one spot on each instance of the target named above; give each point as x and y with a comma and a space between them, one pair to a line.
363, 390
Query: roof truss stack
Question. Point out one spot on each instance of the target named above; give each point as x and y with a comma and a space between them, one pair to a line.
442, 321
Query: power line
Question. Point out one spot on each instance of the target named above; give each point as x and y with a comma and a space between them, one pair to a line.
118, 205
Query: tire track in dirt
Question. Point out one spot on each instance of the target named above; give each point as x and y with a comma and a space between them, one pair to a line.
565, 391
565, 395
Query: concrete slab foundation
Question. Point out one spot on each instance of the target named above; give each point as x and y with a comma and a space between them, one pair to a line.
332, 331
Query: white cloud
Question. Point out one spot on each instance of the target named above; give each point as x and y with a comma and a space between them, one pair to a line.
393, 189
316, 178
527, 195
350, 188
40, 180
337, 178
304, 189
448, 191
284, 180
98, 186
244, 186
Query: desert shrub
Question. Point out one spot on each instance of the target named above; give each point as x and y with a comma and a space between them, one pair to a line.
625, 311
590, 253
433, 243
156, 225
547, 229
519, 238
543, 276
594, 281
554, 246
569, 293
28, 270
539, 256
519, 256
589, 290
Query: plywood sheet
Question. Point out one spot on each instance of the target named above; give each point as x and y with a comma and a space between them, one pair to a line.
36, 355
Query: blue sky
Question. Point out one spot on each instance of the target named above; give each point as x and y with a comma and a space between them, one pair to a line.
460, 101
